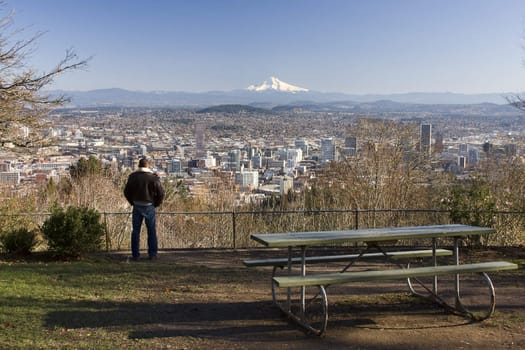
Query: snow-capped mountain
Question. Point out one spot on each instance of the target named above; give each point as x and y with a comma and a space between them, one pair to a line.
275, 84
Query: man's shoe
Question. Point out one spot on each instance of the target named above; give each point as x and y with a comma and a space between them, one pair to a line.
134, 258
153, 258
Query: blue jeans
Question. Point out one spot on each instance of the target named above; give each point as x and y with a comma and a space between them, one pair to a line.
146, 213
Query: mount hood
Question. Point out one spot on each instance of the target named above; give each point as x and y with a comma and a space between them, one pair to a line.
274, 84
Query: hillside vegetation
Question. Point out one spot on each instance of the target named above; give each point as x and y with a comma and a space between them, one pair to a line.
386, 174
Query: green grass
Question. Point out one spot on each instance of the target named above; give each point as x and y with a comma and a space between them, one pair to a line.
97, 304
106, 303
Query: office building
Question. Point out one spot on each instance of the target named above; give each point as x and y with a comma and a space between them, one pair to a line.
5, 167
327, 150
462, 162
426, 138
350, 148
439, 146
234, 160
10, 178
200, 147
302, 145
174, 166
285, 184
247, 179
257, 162
473, 155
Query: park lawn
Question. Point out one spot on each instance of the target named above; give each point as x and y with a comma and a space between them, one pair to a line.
209, 300
98, 303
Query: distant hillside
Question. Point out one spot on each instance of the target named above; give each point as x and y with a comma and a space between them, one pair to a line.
266, 98
235, 109
386, 106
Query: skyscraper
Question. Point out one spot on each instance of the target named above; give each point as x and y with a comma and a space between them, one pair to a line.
462, 162
174, 166
199, 140
327, 149
439, 147
247, 179
234, 159
350, 146
473, 155
426, 138
303, 145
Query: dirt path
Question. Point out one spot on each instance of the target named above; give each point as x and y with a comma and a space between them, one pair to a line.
238, 314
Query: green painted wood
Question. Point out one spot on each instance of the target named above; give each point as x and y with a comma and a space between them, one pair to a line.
380, 275
348, 257
291, 239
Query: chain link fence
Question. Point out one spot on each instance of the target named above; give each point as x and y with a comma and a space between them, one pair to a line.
232, 229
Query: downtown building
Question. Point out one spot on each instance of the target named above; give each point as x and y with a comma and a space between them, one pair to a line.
328, 150
425, 139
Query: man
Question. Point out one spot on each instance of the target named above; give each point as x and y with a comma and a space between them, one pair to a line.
144, 192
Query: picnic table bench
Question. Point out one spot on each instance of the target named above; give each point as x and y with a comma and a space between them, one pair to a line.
395, 255
312, 312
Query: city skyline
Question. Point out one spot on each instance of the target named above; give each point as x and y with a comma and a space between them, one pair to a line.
355, 47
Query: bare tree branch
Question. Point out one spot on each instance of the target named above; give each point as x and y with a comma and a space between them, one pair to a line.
22, 104
517, 101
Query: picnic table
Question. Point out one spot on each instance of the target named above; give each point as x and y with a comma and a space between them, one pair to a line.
312, 312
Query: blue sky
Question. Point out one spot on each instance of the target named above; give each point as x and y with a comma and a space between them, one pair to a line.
367, 46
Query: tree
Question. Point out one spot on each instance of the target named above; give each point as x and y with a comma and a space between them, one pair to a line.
86, 167
517, 101
22, 103
385, 173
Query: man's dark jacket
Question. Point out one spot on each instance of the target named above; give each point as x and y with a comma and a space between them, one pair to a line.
144, 187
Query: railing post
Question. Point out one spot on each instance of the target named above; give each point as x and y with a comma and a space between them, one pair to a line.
356, 218
234, 243
106, 230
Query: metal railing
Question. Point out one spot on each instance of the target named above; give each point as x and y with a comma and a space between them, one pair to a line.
232, 229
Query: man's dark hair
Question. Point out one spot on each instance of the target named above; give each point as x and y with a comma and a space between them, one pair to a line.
143, 163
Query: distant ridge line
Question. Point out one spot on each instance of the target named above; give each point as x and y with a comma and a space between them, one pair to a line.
122, 97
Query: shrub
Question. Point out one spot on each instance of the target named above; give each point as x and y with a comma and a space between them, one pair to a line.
19, 241
472, 203
73, 232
